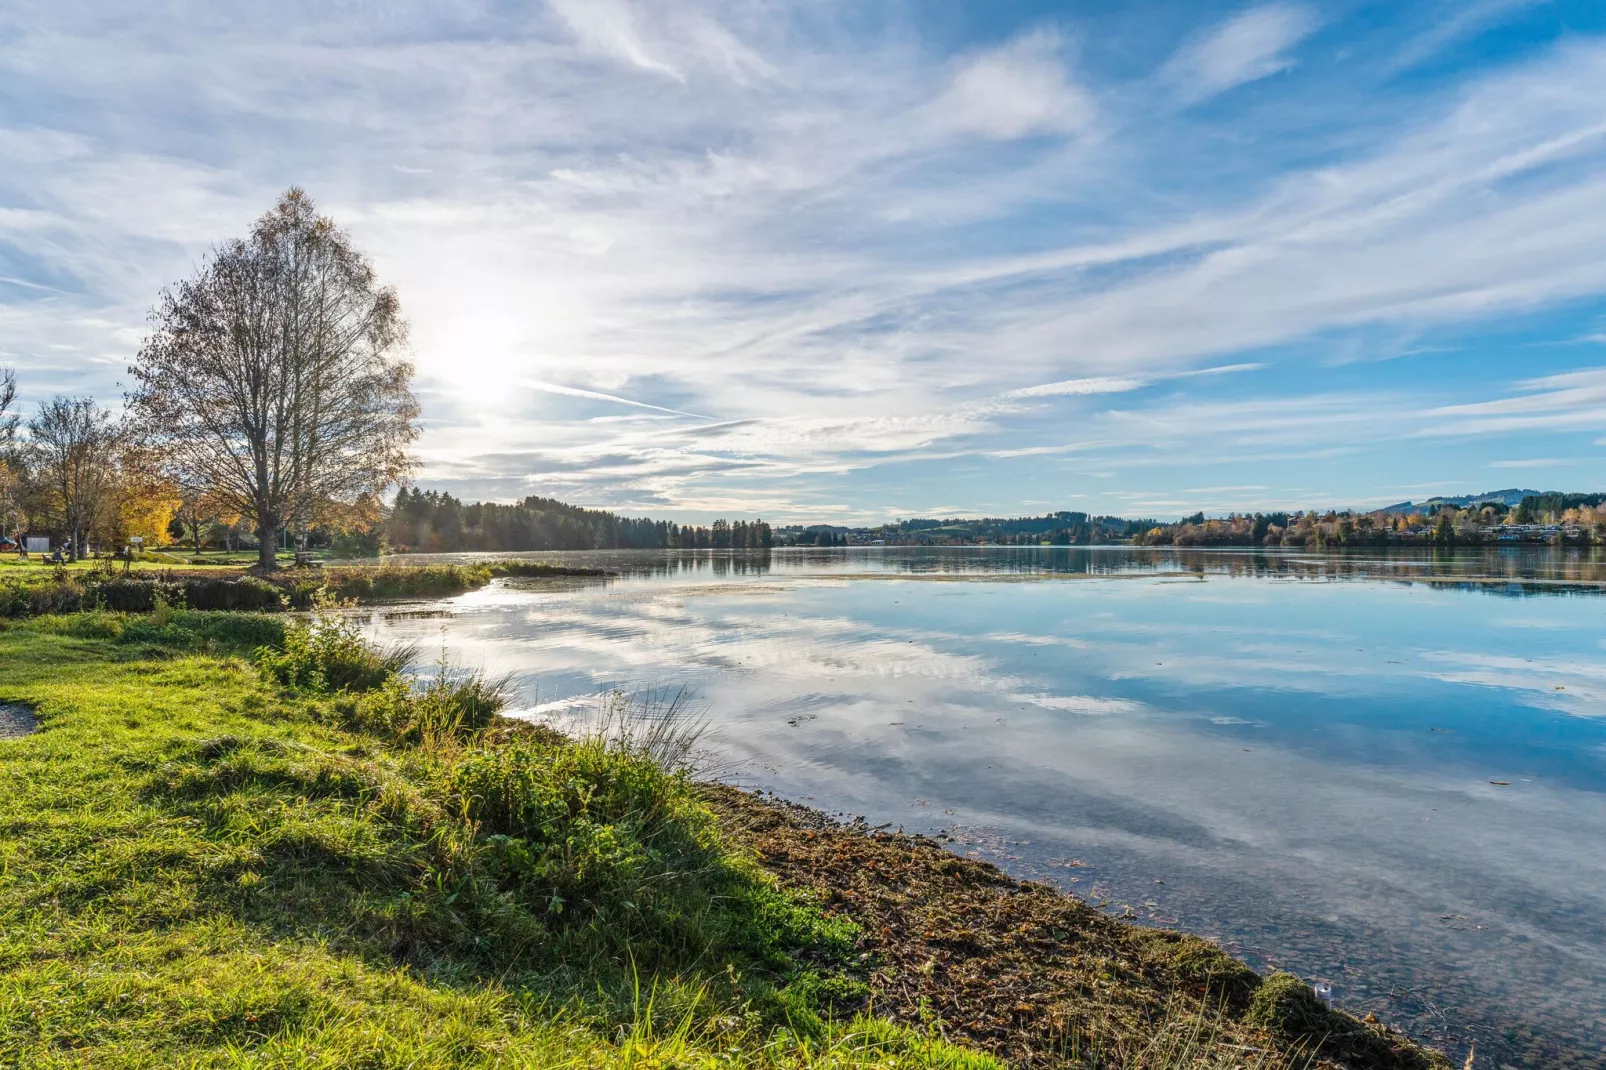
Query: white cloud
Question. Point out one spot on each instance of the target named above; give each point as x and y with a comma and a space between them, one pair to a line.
610, 27
1014, 91
1536, 462
1245, 48
1102, 384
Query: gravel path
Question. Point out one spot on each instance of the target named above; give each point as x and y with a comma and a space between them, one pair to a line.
16, 720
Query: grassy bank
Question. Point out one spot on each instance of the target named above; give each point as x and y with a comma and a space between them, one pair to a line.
210, 862
238, 841
105, 586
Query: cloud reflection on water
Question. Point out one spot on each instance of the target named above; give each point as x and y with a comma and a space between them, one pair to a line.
1307, 767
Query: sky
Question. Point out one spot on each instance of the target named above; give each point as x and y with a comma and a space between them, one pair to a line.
821, 261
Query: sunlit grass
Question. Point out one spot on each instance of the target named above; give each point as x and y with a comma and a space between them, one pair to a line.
202, 868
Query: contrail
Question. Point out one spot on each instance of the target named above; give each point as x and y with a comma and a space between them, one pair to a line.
576, 392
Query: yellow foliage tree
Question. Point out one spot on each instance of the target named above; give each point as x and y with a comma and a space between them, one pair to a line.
144, 502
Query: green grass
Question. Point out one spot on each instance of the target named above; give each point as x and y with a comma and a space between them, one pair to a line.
204, 867
11, 567
164, 558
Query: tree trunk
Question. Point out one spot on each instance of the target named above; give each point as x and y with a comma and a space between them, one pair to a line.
267, 552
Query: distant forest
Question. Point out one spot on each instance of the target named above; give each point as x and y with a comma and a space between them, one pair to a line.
1537, 518
1055, 529
436, 522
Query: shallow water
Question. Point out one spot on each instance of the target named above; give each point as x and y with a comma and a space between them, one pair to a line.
1387, 772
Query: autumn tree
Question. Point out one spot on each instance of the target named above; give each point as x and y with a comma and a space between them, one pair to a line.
144, 499
272, 378
71, 456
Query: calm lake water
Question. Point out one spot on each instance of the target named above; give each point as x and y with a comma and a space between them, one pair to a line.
1384, 772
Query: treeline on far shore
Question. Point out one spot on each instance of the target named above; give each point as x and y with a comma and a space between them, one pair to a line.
436, 522
1065, 528
1570, 519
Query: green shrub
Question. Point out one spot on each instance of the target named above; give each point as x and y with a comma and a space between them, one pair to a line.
592, 837
540, 569
129, 595
329, 655
623, 860
69, 592
364, 583
448, 707
59, 592
248, 594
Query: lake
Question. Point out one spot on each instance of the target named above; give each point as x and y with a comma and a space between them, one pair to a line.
1386, 772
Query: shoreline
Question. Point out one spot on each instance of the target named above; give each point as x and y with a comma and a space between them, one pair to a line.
1030, 973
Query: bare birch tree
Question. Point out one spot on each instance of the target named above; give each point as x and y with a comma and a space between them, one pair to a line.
10, 513
8, 406
72, 455
271, 378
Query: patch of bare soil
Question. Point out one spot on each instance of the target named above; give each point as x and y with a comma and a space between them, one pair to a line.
1038, 977
16, 720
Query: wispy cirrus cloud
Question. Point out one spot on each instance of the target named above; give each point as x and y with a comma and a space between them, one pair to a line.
1533, 462
1246, 48
1571, 400
597, 395
1466, 22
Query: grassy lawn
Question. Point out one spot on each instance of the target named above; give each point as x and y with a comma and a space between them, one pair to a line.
202, 868
158, 559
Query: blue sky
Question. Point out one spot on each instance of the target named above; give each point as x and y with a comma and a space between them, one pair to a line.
852, 261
